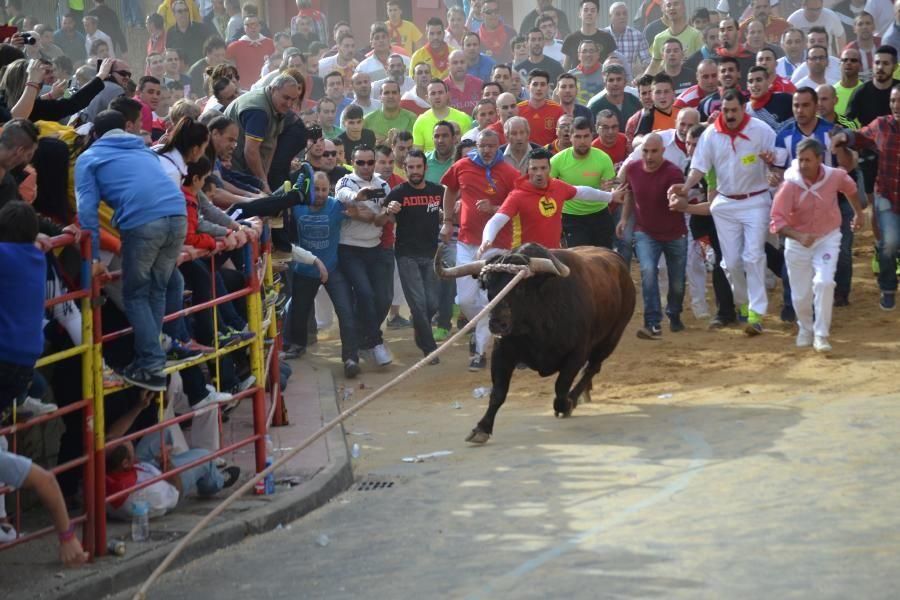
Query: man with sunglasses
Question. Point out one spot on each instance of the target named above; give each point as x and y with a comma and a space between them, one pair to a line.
850, 80
113, 87
359, 251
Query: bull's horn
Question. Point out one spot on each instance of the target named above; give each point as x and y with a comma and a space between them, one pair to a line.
548, 265
472, 268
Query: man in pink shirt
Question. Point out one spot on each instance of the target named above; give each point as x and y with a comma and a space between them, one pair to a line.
465, 89
250, 52
148, 94
805, 211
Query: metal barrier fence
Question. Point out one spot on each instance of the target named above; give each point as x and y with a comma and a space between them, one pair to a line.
264, 367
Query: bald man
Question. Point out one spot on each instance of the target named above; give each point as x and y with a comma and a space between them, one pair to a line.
657, 232
465, 89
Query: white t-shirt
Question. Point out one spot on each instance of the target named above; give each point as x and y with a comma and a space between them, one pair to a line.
376, 69
827, 19
832, 72
555, 52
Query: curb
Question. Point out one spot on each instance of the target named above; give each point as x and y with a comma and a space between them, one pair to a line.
336, 477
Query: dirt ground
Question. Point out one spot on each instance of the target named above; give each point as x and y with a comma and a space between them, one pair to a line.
696, 366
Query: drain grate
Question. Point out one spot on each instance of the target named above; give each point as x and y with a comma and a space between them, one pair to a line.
370, 485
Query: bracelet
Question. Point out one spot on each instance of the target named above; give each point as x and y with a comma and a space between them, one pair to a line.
34, 85
68, 534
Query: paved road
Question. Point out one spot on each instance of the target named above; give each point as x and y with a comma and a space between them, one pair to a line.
793, 497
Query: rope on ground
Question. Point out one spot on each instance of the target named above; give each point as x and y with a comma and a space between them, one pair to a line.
141, 594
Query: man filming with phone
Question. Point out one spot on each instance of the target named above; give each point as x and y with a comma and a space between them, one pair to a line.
358, 251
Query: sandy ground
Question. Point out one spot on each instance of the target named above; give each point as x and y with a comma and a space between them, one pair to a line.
694, 366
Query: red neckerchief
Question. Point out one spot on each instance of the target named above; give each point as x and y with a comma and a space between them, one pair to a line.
495, 40
440, 61
680, 145
739, 52
722, 127
394, 33
758, 103
590, 71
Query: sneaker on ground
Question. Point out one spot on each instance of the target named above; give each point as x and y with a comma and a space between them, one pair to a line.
675, 324
155, 382
398, 322
478, 362
382, 355
650, 332
242, 334
719, 323
36, 407
211, 398
753, 329
887, 301
804, 339
351, 368
821, 344
291, 351
435, 361
440, 334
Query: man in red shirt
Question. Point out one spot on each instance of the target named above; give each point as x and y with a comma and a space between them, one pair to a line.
542, 114
250, 52
537, 203
465, 89
476, 186
657, 231
707, 83
611, 140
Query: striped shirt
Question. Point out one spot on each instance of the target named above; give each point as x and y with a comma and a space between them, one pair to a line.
790, 135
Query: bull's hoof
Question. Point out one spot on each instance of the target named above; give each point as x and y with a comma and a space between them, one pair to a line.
478, 437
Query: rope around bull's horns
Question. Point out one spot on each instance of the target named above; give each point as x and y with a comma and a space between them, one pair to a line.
141, 594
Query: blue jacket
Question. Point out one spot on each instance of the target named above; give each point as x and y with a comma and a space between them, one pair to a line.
23, 279
127, 176
319, 231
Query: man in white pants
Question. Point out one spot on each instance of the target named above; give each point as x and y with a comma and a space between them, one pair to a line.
476, 186
739, 148
806, 212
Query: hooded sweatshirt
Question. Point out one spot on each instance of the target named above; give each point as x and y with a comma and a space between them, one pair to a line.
23, 275
810, 208
354, 232
128, 177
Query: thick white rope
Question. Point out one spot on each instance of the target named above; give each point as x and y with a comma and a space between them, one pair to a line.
141, 594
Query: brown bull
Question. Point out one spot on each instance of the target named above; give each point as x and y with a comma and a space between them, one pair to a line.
567, 317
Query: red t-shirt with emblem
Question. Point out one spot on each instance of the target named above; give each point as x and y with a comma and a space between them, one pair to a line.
539, 211
471, 181
542, 121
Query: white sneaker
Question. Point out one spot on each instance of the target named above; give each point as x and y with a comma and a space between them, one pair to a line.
382, 355
212, 398
804, 339
821, 344
35, 407
7, 533
367, 355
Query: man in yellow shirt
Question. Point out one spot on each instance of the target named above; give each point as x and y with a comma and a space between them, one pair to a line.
403, 33
436, 52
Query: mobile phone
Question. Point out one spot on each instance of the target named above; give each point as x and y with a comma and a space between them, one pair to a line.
99, 62
374, 194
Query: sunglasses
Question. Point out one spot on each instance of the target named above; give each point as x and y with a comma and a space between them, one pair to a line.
364, 163
126, 74
851, 60
330, 154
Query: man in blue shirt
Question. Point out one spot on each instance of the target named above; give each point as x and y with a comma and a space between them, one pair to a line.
152, 224
479, 65
315, 263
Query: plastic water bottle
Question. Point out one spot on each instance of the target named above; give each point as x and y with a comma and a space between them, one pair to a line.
481, 392
270, 458
140, 521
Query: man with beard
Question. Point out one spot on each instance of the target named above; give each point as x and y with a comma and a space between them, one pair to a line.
872, 99
415, 206
584, 223
731, 46
475, 188
465, 89
396, 71
729, 79
436, 52
537, 59
738, 148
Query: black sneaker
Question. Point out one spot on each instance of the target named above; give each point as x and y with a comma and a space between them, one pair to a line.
650, 332
231, 475
398, 322
351, 368
178, 352
291, 351
887, 301
675, 324
841, 299
155, 382
478, 362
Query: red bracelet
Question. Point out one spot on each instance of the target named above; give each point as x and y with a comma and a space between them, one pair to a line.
68, 534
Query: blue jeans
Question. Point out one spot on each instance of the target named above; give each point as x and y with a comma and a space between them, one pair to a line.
447, 290
303, 296
176, 329
383, 283
149, 254
844, 274
889, 224
361, 266
132, 13
625, 245
420, 287
204, 479
648, 252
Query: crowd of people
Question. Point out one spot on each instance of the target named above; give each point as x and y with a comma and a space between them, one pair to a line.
737, 144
